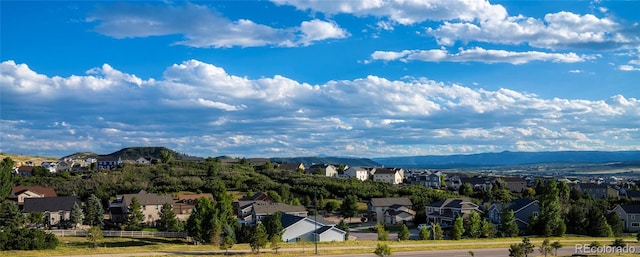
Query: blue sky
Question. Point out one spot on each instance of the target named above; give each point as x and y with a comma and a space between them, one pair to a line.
301, 77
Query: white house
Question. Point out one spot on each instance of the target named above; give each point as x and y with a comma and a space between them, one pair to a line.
296, 227
389, 175
360, 173
324, 169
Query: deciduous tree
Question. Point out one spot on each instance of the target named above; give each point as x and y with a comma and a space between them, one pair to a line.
404, 233
458, 229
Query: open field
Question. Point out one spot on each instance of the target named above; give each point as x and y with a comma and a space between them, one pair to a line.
70, 246
37, 160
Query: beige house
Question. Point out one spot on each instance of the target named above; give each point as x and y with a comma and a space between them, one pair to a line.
19, 193
379, 206
151, 205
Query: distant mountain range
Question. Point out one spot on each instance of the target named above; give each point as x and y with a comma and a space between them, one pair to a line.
506, 158
509, 158
308, 161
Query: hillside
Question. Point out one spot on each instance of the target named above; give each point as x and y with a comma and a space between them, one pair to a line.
308, 161
509, 158
132, 153
19, 159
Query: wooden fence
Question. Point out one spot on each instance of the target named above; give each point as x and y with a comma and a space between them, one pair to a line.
119, 233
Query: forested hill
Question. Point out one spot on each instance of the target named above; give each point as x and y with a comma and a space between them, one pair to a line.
132, 153
308, 161
509, 158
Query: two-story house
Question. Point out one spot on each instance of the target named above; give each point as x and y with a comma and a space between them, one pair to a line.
108, 162
514, 184
327, 170
597, 191
446, 211
361, 173
151, 206
523, 209
630, 216
19, 193
389, 175
378, 206
57, 210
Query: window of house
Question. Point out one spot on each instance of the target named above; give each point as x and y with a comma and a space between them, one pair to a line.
157, 206
633, 217
635, 224
535, 214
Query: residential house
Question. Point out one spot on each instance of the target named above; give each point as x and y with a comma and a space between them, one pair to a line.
597, 191
25, 171
630, 216
399, 214
454, 182
52, 167
64, 166
298, 227
292, 166
243, 207
108, 162
427, 179
389, 175
523, 210
151, 206
514, 184
361, 173
446, 211
19, 193
57, 210
143, 160
327, 170
261, 210
634, 195
183, 205
379, 206
258, 161
478, 183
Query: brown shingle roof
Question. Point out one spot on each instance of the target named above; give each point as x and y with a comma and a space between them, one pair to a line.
46, 191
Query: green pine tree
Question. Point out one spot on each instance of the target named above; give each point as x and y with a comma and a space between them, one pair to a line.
135, 218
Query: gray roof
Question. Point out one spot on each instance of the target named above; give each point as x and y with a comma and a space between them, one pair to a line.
592, 185
632, 208
450, 202
147, 199
391, 201
382, 171
50, 204
518, 204
277, 207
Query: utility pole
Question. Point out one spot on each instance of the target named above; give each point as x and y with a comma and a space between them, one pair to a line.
315, 219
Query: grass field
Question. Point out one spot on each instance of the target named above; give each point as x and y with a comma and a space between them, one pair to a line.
25, 158
80, 246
